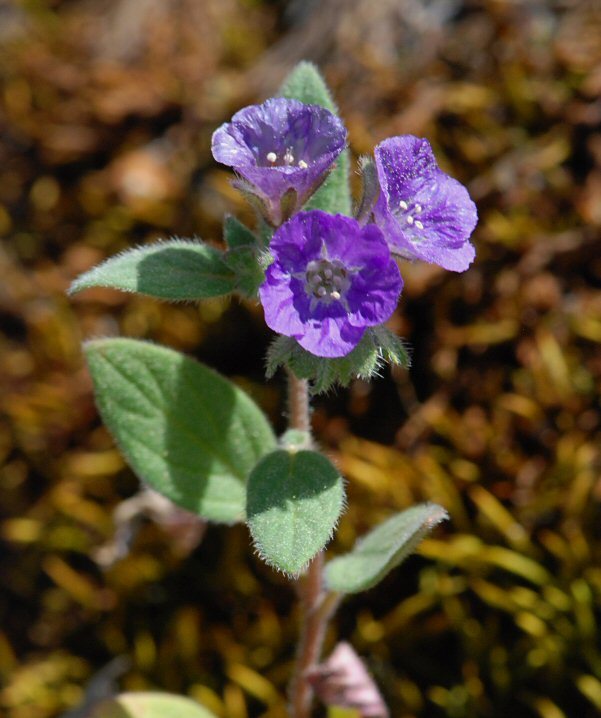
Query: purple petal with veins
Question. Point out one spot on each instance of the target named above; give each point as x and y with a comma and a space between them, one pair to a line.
329, 281
280, 146
424, 213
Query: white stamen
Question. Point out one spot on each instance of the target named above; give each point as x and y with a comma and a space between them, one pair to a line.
403, 204
271, 157
409, 219
419, 225
289, 157
302, 164
418, 208
321, 291
327, 273
316, 279
335, 294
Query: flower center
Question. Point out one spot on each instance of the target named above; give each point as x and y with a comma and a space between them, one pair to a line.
326, 279
410, 213
286, 160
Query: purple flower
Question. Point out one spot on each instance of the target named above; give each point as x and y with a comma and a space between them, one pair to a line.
330, 279
279, 146
424, 213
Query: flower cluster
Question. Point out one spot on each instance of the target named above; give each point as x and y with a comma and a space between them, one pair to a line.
333, 277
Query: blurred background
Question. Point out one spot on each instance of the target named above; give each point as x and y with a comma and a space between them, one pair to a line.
106, 113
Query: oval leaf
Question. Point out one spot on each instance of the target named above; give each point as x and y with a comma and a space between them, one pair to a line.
150, 705
382, 549
294, 500
177, 270
306, 84
184, 429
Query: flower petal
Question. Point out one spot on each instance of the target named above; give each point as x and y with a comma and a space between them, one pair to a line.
424, 213
280, 146
330, 279
331, 338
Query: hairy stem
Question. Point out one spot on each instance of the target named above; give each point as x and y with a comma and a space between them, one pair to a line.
299, 416
310, 586
311, 639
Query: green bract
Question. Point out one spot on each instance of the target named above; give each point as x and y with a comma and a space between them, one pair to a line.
187, 431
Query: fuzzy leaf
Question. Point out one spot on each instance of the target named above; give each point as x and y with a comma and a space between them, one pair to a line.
306, 84
294, 501
378, 346
150, 705
185, 430
236, 234
383, 549
391, 348
177, 269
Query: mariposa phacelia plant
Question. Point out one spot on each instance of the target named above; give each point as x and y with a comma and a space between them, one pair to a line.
328, 279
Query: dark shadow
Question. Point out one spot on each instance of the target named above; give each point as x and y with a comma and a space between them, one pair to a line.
287, 477
203, 410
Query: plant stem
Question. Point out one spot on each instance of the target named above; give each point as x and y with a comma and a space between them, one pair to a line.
315, 614
313, 628
299, 417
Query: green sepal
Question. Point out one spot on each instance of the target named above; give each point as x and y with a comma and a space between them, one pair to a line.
252, 196
149, 705
306, 84
378, 346
383, 549
370, 189
187, 431
175, 269
294, 500
289, 204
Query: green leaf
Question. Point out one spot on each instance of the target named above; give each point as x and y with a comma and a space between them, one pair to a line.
177, 269
306, 84
294, 501
337, 712
384, 548
150, 705
378, 346
236, 234
184, 429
